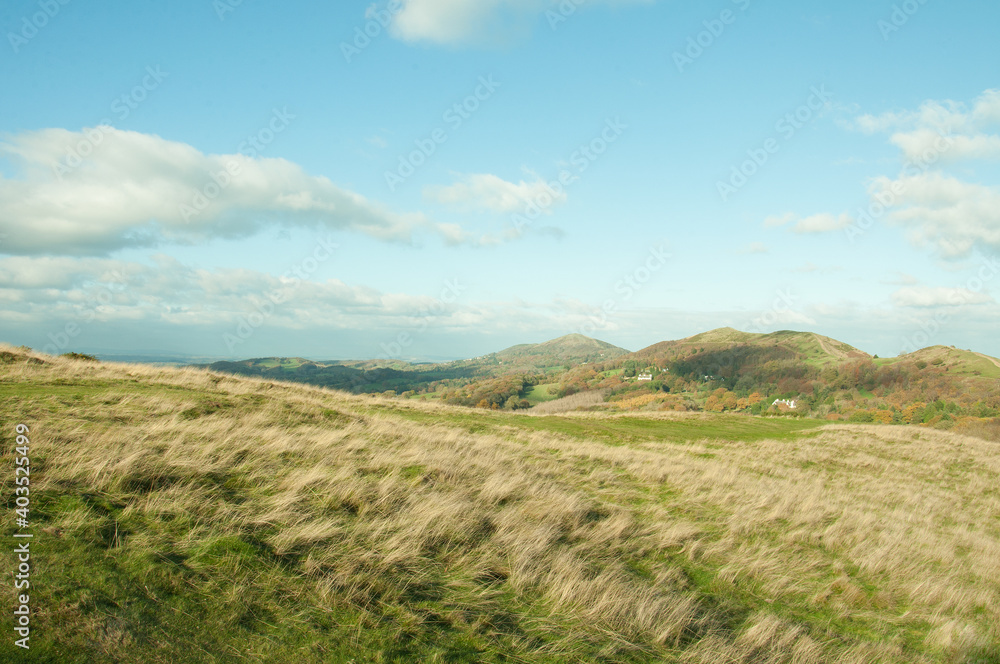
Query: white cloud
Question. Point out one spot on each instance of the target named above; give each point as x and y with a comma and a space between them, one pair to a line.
56, 272
921, 132
817, 223
926, 145
138, 189
924, 296
953, 215
778, 219
822, 223
927, 197
64, 287
901, 279
463, 22
755, 248
946, 116
484, 191
101, 296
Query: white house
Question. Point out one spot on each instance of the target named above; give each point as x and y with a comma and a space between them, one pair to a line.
788, 402
644, 376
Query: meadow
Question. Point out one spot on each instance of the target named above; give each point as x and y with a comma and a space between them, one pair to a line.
186, 516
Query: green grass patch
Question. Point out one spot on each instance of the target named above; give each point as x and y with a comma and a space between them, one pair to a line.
540, 393
622, 430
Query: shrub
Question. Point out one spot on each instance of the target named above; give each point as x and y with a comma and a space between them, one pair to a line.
80, 356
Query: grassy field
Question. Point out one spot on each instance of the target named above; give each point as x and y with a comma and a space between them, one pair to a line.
540, 393
961, 362
181, 516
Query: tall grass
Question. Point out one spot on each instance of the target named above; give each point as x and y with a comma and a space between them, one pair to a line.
186, 516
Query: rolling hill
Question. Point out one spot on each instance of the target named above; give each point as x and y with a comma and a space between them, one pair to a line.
958, 362
183, 515
571, 349
367, 376
807, 347
720, 369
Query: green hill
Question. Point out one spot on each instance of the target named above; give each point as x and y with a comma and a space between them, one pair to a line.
807, 347
570, 349
729, 370
959, 362
182, 515
723, 369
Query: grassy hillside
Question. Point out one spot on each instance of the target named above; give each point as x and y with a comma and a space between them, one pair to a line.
808, 347
184, 516
959, 362
721, 370
732, 371
377, 376
351, 376
571, 349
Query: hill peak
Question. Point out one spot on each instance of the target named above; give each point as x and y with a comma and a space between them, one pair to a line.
723, 335
570, 348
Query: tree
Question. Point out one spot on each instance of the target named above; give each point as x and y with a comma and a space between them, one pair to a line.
914, 412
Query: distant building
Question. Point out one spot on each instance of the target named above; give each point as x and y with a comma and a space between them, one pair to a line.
644, 376
784, 402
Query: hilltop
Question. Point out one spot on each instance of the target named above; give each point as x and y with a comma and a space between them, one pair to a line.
808, 347
958, 362
183, 515
572, 349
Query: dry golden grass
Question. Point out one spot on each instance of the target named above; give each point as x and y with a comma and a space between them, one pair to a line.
570, 403
845, 544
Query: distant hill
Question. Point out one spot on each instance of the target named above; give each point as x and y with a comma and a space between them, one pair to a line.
570, 349
958, 362
729, 370
722, 369
350, 376
399, 376
809, 347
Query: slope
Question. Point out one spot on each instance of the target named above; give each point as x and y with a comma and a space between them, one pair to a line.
185, 516
570, 349
956, 361
809, 347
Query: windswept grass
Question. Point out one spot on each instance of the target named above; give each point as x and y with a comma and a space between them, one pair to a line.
182, 516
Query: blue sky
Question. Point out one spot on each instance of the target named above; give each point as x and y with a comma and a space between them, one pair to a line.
443, 178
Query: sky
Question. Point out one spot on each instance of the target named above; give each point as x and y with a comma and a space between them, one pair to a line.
439, 179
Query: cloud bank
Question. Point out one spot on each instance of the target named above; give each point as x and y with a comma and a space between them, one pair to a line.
465, 22
940, 196
140, 190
